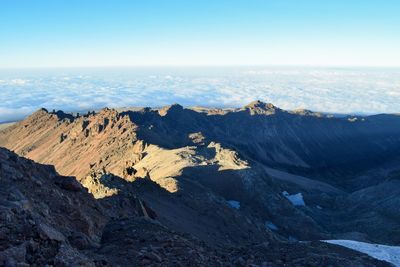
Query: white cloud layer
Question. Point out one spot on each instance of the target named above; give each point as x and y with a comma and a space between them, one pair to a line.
325, 89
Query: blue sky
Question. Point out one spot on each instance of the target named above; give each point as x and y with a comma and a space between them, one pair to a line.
75, 33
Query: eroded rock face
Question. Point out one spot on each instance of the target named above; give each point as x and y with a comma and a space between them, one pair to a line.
97, 184
54, 138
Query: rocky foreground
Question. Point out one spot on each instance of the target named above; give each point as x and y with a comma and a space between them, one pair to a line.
197, 187
51, 220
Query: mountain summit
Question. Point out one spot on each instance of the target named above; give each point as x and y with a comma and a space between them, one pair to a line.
259, 107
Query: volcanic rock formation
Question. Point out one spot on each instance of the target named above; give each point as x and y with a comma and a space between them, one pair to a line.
187, 167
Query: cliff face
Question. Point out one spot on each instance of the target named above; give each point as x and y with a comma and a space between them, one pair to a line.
72, 144
195, 162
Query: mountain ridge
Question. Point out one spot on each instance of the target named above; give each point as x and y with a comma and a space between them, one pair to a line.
250, 155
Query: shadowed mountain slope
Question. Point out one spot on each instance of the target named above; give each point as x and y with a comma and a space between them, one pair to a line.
48, 219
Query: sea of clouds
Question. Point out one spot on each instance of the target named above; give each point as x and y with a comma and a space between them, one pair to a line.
334, 90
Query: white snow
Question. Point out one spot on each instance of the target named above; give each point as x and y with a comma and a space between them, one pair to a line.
381, 252
234, 204
271, 226
295, 199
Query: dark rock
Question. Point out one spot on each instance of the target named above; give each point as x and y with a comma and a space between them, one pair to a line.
79, 240
68, 183
153, 256
48, 232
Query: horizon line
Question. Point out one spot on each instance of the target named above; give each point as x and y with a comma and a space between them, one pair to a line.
202, 66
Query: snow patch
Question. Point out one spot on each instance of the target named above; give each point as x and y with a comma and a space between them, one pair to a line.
234, 204
271, 226
381, 252
295, 199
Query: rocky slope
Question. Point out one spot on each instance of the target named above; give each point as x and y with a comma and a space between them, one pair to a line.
220, 175
5, 125
51, 220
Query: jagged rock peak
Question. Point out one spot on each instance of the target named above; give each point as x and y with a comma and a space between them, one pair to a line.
40, 112
43, 113
170, 109
259, 107
260, 104
108, 112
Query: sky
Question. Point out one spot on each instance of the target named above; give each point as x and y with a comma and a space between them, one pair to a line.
77, 33
336, 56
